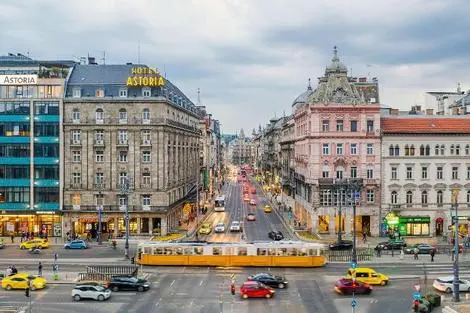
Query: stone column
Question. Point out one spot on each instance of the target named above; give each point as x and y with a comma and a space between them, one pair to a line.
164, 228
116, 226
150, 225
139, 226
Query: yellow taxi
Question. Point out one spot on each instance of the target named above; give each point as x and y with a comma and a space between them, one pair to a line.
267, 209
368, 276
36, 242
205, 229
20, 281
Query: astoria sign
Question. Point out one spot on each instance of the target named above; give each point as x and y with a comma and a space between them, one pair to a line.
18, 80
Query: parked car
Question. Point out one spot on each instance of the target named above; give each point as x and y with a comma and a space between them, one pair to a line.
391, 245
219, 228
275, 235
90, 291
347, 286
446, 284
251, 217
252, 202
270, 280
128, 283
235, 226
423, 248
254, 289
342, 245
76, 244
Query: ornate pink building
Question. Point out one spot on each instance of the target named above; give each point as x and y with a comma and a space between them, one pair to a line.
337, 137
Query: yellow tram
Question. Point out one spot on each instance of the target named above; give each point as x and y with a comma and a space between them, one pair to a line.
262, 254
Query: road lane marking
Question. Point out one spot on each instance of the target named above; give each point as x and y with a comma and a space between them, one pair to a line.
172, 282
202, 282
158, 302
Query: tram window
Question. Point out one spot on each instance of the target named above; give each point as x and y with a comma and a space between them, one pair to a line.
271, 251
168, 251
179, 251
282, 252
198, 251
242, 251
302, 252
312, 252
158, 251
228, 251
216, 251
261, 251
147, 250
188, 251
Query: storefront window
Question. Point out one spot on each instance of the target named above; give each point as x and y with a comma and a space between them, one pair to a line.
324, 223
47, 224
417, 229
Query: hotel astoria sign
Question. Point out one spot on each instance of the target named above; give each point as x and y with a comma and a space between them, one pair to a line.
145, 77
16, 80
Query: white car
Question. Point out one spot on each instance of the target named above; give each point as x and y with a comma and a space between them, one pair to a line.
445, 284
219, 228
90, 291
235, 226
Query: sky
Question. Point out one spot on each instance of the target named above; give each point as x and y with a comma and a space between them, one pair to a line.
252, 58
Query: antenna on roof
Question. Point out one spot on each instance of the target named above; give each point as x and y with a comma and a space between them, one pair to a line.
138, 53
104, 58
198, 96
164, 71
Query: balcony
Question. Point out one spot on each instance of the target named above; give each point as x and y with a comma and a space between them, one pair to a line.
75, 142
98, 143
117, 208
75, 185
146, 142
122, 143
374, 181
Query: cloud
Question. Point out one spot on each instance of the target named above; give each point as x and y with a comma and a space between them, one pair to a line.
251, 59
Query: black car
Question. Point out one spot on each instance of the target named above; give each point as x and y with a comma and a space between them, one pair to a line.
270, 280
391, 245
341, 245
276, 235
128, 283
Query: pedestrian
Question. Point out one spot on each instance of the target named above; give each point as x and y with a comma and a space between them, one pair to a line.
12, 238
232, 287
14, 270
402, 254
416, 251
9, 272
432, 253
40, 269
364, 237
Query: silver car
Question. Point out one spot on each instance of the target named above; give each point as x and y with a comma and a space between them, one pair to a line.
235, 226
90, 291
219, 228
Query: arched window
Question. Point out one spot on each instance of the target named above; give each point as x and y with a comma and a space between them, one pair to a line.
407, 150
99, 116
440, 197
436, 150
409, 197
394, 197
467, 149
412, 150
457, 150
468, 196
428, 150
397, 150
451, 149
392, 150
146, 115
122, 116
424, 197
421, 150
443, 148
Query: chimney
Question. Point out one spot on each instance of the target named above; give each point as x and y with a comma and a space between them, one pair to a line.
394, 111
455, 111
429, 111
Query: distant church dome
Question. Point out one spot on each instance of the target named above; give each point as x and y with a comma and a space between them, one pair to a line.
303, 97
336, 66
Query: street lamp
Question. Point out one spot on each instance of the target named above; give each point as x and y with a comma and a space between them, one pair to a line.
125, 190
455, 205
100, 188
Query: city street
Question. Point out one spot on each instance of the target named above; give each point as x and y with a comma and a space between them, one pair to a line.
205, 290
236, 210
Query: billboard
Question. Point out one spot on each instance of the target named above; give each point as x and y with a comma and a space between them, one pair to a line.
15, 80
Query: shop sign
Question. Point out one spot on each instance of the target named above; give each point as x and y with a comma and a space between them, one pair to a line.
17, 80
415, 219
10, 227
46, 212
57, 230
145, 77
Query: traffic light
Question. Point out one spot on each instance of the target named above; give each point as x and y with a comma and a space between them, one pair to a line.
26, 292
416, 306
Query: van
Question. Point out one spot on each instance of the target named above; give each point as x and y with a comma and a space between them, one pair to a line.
368, 276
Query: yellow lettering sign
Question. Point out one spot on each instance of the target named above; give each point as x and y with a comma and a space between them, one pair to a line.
145, 77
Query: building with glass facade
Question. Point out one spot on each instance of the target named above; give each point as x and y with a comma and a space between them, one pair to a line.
31, 95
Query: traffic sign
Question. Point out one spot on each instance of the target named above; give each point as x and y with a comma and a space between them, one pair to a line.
416, 295
353, 264
354, 302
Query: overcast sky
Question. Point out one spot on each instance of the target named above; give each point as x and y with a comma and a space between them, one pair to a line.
252, 58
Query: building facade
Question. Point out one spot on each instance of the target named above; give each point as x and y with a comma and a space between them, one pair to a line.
287, 144
132, 139
425, 158
337, 137
241, 150
31, 93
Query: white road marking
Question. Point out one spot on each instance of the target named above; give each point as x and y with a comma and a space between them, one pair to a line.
172, 283
158, 302
202, 282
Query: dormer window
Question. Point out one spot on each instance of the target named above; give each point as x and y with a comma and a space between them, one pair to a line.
76, 92
123, 92
123, 116
76, 116
99, 115
99, 93
146, 92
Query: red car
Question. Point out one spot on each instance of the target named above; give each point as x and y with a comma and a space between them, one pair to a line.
346, 286
255, 289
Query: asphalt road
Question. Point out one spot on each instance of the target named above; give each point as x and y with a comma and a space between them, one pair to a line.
208, 291
236, 209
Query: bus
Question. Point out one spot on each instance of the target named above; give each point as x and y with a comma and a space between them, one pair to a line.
257, 254
219, 204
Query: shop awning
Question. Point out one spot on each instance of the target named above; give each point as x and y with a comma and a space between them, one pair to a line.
439, 220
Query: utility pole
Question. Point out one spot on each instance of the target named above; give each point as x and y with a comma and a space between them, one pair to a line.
339, 210
198, 173
356, 187
100, 186
455, 204
125, 190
